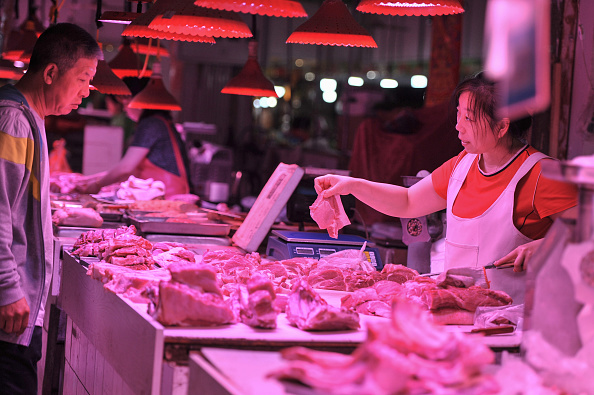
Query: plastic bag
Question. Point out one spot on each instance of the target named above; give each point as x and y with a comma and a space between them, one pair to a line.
57, 158
348, 259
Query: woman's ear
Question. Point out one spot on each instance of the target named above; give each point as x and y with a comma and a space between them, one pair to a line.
503, 127
50, 73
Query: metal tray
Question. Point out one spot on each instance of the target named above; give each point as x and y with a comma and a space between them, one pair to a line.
188, 240
159, 225
110, 216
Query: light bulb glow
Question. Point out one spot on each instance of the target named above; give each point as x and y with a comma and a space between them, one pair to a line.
388, 83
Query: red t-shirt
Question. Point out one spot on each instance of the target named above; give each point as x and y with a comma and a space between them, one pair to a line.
536, 197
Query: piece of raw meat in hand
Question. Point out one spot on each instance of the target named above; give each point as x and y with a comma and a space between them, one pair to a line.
329, 214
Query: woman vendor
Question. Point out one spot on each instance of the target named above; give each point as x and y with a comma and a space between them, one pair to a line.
499, 206
156, 152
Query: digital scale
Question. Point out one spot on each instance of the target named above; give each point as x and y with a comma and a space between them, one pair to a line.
283, 244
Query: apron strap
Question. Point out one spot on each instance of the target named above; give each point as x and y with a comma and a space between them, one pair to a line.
177, 153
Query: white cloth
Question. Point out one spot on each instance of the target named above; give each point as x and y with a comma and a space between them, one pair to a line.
476, 242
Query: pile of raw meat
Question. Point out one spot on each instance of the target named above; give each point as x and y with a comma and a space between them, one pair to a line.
407, 355
226, 286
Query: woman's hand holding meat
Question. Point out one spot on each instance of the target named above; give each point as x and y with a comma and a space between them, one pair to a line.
332, 184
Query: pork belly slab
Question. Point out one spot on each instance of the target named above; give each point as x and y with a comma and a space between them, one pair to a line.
308, 311
191, 298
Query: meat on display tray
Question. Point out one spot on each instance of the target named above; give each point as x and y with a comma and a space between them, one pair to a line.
160, 225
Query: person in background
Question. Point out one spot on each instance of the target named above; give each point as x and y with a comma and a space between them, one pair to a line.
63, 62
499, 205
156, 152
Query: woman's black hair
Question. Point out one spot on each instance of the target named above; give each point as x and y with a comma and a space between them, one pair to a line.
483, 104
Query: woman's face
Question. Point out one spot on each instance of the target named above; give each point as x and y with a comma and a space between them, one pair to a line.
475, 134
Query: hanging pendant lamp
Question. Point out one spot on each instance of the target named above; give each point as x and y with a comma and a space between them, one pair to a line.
251, 81
9, 72
139, 27
186, 18
20, 43
148, 46
332, 24
155, 96
411, 7
126, 62
279, 8
106, 82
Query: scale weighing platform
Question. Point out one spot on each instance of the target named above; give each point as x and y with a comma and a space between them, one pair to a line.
284, 244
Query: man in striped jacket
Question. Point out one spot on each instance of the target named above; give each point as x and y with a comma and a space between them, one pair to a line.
63, 62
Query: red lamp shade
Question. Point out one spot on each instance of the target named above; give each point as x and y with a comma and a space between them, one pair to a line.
20, 43
332, 24
186, 18
411, 7
9, 72
139, 27
106, 82
148, 46
126, 62
250, 81
155, 96
281, 8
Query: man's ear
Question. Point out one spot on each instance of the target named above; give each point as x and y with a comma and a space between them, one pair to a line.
50, 73
503, 127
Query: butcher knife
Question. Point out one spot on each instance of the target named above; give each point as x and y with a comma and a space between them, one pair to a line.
489, 266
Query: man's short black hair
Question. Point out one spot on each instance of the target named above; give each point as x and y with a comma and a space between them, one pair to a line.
63, 44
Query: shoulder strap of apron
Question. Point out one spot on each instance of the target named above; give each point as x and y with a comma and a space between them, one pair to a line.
177, 153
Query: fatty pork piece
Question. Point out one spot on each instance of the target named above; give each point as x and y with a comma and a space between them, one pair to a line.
191, 298
308, 311
327, 278
77, 216
173, 254
375, 300
96, 236
408, 355
462, 277
398, 273
201, 276
255, 302
465, 298
298, 267
131, 284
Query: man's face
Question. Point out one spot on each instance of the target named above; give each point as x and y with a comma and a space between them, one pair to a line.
71, 87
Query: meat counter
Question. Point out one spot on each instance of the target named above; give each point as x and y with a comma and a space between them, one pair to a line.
113, 346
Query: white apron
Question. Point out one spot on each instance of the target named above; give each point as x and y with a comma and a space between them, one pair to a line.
493, 231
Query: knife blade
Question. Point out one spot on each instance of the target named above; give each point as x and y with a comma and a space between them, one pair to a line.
491, 265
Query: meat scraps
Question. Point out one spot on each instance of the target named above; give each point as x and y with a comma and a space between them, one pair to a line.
308, 311
329, 214
408, 355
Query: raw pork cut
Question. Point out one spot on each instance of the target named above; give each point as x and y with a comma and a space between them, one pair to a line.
329, 214
191, 298
308, 311
77, 216
180, 304
254, 302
